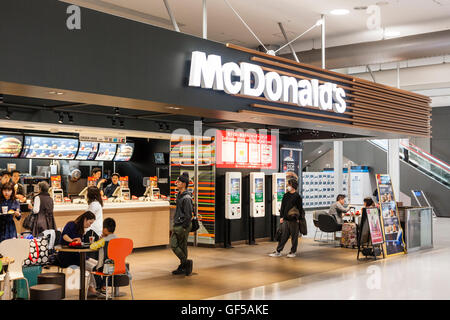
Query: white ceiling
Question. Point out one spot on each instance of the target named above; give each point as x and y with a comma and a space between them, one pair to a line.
407, 16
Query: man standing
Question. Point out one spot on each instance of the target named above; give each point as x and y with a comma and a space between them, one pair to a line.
110, 188
182, 223
18, 188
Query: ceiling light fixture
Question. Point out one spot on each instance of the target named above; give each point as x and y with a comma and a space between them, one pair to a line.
116, 112
320, 151
113, 121
339, 12
360, 8
121, 122
70, 116
61, 117
8, 114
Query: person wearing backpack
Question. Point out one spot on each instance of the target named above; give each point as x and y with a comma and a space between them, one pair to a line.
182, 224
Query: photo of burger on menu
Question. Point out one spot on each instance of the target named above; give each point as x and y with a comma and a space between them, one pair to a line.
10, 146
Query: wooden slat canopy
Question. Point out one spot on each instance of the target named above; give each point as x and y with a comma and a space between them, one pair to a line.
369, 105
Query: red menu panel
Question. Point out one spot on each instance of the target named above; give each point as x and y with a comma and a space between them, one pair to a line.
236, 149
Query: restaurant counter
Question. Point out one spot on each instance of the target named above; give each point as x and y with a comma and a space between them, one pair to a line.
147, 223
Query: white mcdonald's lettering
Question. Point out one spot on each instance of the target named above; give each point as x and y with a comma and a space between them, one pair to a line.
209, 73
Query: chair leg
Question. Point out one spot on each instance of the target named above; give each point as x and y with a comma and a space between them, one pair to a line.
28, 288
112, 287
106, 292
315, 235
131, 290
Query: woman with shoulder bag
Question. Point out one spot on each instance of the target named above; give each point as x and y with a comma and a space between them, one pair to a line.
43, 211
291, 212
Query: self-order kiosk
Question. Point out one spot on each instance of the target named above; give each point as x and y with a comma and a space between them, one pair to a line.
278, 191
233, 191
257, 198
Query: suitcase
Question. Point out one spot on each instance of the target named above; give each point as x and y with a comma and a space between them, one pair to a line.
349, 236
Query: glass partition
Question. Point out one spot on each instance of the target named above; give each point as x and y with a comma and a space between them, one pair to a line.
419, 228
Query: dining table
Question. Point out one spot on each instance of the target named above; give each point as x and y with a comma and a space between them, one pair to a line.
82, 251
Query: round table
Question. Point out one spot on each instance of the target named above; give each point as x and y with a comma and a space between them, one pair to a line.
82, 252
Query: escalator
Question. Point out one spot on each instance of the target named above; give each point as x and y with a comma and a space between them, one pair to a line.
418, 170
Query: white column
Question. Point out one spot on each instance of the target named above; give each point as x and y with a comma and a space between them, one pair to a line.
393, 165
338, 163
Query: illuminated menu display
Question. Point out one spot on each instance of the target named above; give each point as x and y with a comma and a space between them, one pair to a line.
245, 150
49, 148
106, 151
10, 146
87, 151
124, 152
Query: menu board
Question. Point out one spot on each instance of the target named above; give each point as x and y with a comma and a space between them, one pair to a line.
92, 182
56, 182
10, 146
87, 151
393, 233
124, 182
373, 217
49, 148
237, 149
124, 152
106, 152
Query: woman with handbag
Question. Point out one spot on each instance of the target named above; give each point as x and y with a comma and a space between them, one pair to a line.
10, 209
291, 213
43, 211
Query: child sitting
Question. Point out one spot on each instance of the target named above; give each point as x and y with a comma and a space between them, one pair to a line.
109, 226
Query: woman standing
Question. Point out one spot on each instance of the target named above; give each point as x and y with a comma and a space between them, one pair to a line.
95, 202
10, 208
43, 208
73, 232
291, 212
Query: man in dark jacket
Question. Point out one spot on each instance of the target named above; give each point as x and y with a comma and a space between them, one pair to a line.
182, 223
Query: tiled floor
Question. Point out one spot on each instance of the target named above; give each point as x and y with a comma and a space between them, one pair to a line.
320, 271
419, 275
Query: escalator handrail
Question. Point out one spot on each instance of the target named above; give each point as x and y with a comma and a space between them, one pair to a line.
427, 156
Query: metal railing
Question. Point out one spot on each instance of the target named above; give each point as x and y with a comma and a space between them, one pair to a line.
422, 160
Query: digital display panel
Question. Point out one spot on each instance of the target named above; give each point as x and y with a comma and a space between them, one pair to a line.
49, 148
124, 152
237, 149
10, 146
159, 158
106, 152
87, 151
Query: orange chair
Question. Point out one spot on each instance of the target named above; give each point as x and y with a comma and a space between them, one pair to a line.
118, 250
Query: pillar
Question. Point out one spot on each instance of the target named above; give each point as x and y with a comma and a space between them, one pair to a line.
393, 165
338, 163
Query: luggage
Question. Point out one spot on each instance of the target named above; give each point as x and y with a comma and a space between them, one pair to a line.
349, 235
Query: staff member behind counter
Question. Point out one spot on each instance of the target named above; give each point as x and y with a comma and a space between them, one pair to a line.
110, 188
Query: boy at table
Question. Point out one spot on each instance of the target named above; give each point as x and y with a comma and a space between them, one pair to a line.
109, 226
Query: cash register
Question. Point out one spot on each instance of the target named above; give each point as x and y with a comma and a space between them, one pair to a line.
55, 191
152, 191
122, 193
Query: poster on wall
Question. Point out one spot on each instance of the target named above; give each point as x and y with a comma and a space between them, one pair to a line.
392, 230
373, 217
237, 149
290, 160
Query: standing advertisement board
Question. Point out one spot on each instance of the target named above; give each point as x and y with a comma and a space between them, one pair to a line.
376, 233
392, 230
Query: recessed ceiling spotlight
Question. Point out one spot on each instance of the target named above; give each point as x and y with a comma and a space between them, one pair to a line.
8, 114
121, 122
70, 116
174, 108
116, 111
56, 92
320, 151
339, 12
113, 121
61, 118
